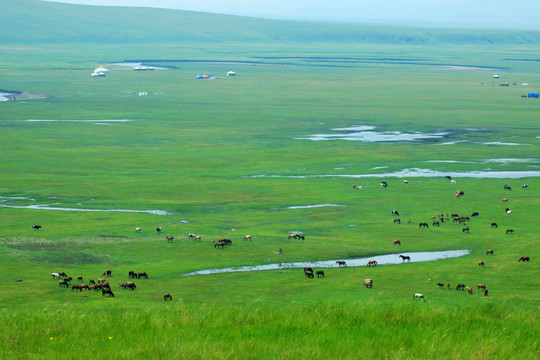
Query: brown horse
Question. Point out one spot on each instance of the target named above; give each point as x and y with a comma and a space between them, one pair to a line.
459, 193
63, 283
167, 297
509, 231
465, 229
469, 290
198, 238
523, 258
320, 273
481, 263
490, 252
220, 244
309, 274
423, 224
75, 287
130, 285
170, 238
292, 236
436, 223
481, 286
485, 292
397, 242
341, 263
505, 200
506, 187
460, 287
247, 237
494, 225
372, 263
368, 283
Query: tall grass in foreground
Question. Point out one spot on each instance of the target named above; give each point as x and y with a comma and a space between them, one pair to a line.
339, 331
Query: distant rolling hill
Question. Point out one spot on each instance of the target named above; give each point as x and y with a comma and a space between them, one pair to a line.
35, 21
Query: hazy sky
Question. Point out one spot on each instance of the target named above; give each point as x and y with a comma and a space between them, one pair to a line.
520, 14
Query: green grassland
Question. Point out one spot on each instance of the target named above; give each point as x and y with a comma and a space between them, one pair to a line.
225, 158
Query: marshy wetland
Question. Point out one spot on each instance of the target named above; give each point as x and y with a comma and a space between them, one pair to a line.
273, 151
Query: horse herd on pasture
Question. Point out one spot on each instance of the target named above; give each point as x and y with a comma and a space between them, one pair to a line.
103, 284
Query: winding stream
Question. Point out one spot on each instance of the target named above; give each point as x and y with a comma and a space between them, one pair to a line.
381, 260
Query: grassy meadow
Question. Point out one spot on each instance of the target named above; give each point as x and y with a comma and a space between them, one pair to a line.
228, 157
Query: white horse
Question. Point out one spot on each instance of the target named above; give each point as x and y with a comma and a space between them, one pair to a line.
419, 296
191, 236
55, 275
137, 229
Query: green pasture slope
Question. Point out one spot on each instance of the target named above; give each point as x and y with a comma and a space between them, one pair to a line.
227, 157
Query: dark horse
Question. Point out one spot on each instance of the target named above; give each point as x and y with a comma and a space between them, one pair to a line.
523, 258
320, 273
167, 296
423, 224
405, 257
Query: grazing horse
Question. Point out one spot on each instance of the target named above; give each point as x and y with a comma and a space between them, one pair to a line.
481, 286
130, 285
460, 287
448, 177
220, 244
170, 238
36, 227
505, 200
167, 297
307, 269
372, 263
368, 283
397, 242
469, 290
395, 212
107, 273
441, 285
107, 292
459, 193
509, 231
524, 258
132, 274
62, 274
405, 258
191, 236
198, 238
436, 223
158, 229
320, 273
79, 278
509, 212
341, 263
494, 225
55, 275
63, 283
292, 236
142, 275
137, 229
465, 229
423, 224
489, 252
485, 292
506, 187
309, 275
481, 263
384, 184
405, 182
84, 286
91, 281
247, 237
418, 296
75, 287
525, 186
397, 220
452, 181
475, 214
